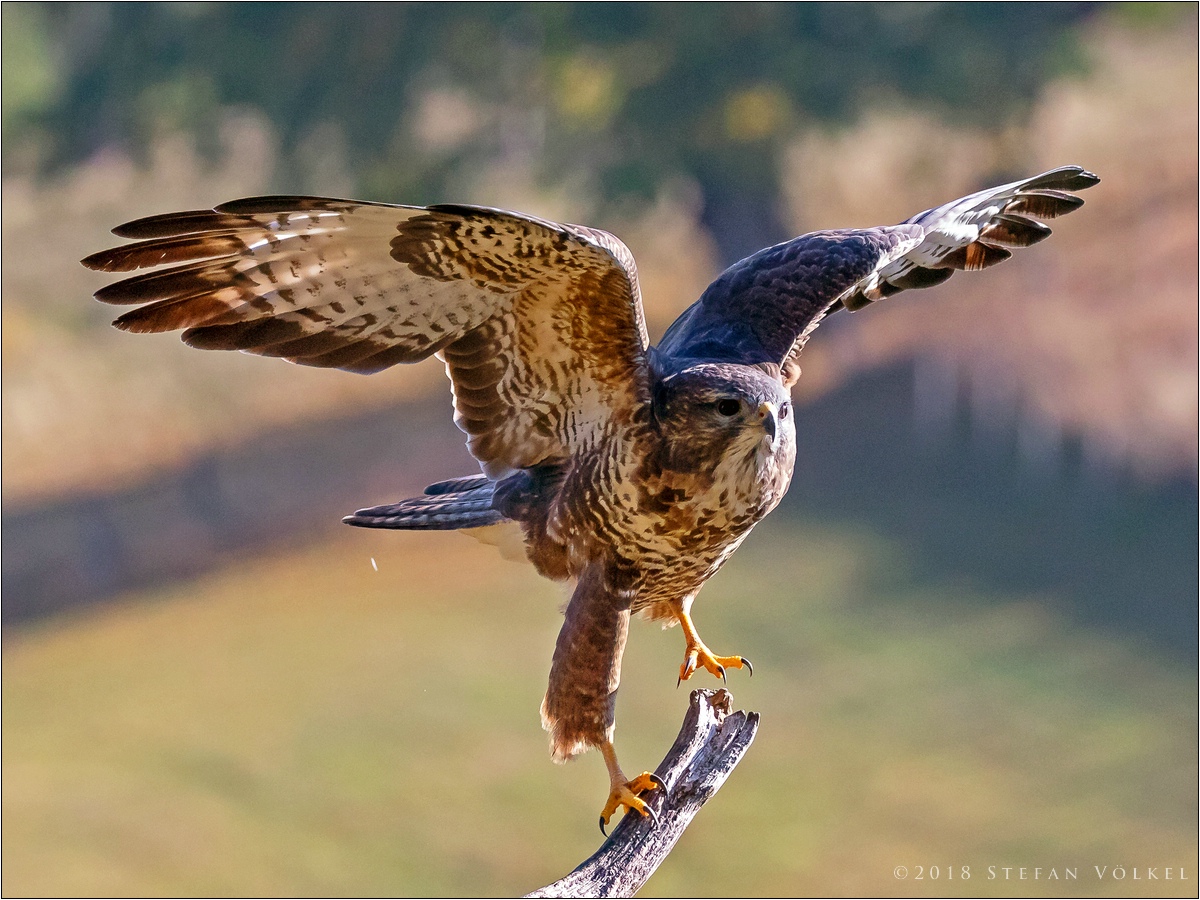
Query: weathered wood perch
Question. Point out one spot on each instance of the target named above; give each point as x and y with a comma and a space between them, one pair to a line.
712, 741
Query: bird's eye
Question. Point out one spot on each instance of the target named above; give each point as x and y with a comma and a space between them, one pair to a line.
784, 409
729, 407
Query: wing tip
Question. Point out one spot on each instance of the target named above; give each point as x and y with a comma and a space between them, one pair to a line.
100, 261
1064, 178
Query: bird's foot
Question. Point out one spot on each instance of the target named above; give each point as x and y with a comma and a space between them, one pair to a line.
699, 656
625, 793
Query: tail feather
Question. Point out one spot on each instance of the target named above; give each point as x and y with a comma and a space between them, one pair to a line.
455, 485
447, 505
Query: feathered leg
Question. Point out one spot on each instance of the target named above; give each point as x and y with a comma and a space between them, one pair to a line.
580, 706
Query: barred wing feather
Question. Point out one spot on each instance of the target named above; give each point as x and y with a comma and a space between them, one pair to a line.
540, 324
763, 309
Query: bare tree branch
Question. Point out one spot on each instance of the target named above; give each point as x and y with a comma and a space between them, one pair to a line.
711, 742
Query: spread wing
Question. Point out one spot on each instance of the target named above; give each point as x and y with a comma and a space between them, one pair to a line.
763, 308
540, 324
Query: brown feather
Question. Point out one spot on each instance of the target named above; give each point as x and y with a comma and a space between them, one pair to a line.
189, 222
1013, 231
174, 284
172, 315
304, 347
284, 204
973, 257
478, 377
921, 278
165, 251
250, 336
348, 356
1044, 204
390, 356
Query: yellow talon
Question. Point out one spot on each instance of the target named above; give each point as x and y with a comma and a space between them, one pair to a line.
625, 793
699, 656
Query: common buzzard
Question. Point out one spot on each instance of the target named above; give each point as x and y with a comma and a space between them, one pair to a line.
633, 470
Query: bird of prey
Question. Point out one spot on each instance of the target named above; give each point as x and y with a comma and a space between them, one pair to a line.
632, 470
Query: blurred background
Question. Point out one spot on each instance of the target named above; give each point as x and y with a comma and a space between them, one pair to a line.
973, 619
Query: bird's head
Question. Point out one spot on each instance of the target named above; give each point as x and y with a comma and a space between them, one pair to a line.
708, 411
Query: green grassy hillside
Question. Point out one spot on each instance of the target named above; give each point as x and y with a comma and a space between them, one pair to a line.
307, 725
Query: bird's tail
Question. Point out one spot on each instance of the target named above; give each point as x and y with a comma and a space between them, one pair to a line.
447, 505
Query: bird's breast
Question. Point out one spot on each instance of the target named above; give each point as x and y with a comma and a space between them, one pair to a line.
675, 525
693, 518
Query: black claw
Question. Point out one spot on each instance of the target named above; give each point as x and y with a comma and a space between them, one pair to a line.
660, 784
602, 831
746, 663
653, 815
721, 670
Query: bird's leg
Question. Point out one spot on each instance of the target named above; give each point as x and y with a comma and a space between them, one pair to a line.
624, 792
697, 655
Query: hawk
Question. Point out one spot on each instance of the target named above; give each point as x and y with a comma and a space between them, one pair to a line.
632, 470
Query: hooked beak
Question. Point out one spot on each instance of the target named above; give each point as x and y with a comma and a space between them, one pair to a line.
769, 416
